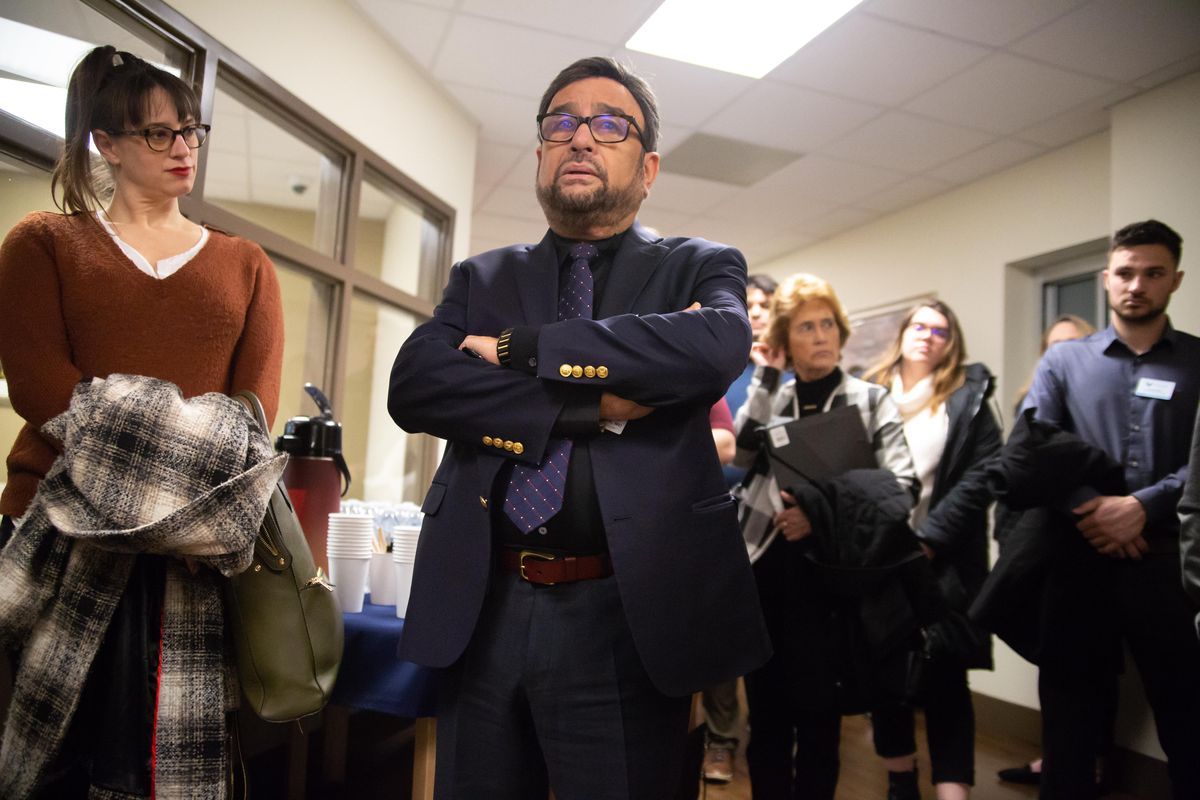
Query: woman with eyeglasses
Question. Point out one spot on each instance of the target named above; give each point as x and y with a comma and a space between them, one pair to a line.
796, 700
950, 428
122, 282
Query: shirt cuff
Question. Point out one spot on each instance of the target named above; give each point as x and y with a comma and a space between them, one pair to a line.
580, 416
1159, 505
522, 349
769, 377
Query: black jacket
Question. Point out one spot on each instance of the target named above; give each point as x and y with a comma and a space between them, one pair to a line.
956, 528
1037, 596
865, 591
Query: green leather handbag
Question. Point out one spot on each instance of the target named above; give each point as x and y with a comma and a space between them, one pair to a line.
286, 623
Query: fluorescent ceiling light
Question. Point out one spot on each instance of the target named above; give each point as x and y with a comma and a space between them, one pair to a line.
745, 37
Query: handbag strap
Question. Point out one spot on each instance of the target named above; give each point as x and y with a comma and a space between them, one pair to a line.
269, 547
254, 408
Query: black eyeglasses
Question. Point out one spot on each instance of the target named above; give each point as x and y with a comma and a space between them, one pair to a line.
605, 128
936, 331
160, 137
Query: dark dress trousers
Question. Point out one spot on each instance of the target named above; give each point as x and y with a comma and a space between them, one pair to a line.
680, 566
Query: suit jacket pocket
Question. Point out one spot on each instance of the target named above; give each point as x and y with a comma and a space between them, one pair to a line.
433, 498
714, 503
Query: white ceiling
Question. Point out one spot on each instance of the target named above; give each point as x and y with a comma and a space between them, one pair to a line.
899, 101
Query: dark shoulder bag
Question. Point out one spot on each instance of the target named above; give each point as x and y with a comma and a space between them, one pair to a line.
286, 623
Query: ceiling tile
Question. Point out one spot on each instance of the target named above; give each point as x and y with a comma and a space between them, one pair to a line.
685, 194
788, 117
668, 223
1178, 69
906, 193
474, 47
507, 229
416, 27
733, 161
1004, 93
993, 22
858, 58
508, 202
906, 142
523, 172
1118, 39
687, 94
986, 160
620, 18
836, 221
1075, 123
493, 161
503, 118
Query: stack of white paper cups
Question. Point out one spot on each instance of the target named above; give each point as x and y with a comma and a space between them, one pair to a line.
349, 549
404, 555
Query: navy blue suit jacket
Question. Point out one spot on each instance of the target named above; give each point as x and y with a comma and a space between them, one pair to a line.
671, 526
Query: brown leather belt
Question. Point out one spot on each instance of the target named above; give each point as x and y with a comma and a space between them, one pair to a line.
547, 569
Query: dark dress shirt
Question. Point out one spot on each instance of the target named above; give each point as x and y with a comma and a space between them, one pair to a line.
578, 527
1095, 387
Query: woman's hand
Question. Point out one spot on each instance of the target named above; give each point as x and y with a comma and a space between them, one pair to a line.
764, 355
792, 522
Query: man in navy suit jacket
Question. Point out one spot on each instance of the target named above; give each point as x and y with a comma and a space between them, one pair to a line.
572, 643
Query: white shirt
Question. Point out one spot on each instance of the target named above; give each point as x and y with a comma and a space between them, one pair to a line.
165, 267
926, 430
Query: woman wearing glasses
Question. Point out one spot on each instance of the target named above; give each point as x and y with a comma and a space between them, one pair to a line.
950, 429
122, 282
796, 700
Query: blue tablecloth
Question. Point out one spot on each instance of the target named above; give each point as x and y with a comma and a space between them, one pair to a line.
371, 676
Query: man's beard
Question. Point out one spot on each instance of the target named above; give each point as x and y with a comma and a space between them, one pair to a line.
600, 208
1145, 315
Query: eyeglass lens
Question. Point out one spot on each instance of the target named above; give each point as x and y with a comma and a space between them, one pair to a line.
605, 128
162, 137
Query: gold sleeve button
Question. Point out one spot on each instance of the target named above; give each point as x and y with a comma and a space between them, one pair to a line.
483, 501
518, 448
601, 372
589, 371
487, 441
508, 445
576, 371
565, 370
498, 443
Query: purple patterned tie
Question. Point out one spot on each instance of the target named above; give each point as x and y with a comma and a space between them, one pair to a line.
535, 494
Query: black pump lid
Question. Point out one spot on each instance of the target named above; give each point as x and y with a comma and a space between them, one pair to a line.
315, 437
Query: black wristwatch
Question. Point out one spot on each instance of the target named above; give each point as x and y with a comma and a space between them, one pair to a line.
502, 354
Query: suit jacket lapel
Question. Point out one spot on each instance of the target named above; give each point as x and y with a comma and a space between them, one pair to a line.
632, 267
537, 283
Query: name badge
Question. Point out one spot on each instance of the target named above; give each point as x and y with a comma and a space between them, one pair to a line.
779, 436
1154, 389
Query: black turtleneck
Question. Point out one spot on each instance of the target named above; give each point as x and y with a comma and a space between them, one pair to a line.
811, 396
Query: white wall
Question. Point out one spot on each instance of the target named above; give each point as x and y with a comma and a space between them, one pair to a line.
326, 53
959, 245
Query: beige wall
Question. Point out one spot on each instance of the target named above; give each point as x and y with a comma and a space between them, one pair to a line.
325, 53
961, 244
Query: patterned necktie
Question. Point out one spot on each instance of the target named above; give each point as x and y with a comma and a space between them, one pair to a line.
535, 494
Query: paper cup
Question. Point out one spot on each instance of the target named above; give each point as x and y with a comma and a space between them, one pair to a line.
382, 579
349, 578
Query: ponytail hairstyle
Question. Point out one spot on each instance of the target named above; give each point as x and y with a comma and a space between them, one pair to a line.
109, 90
948, 376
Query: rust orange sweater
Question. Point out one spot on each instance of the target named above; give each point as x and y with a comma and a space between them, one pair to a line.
73, 306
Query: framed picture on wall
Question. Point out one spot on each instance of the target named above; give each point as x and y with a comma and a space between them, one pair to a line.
873, 330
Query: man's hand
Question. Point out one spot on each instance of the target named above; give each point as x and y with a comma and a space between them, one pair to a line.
792, 522
617, 409
764, 355
1113, 525
485, 346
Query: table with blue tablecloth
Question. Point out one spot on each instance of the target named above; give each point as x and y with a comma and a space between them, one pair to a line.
372, 678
